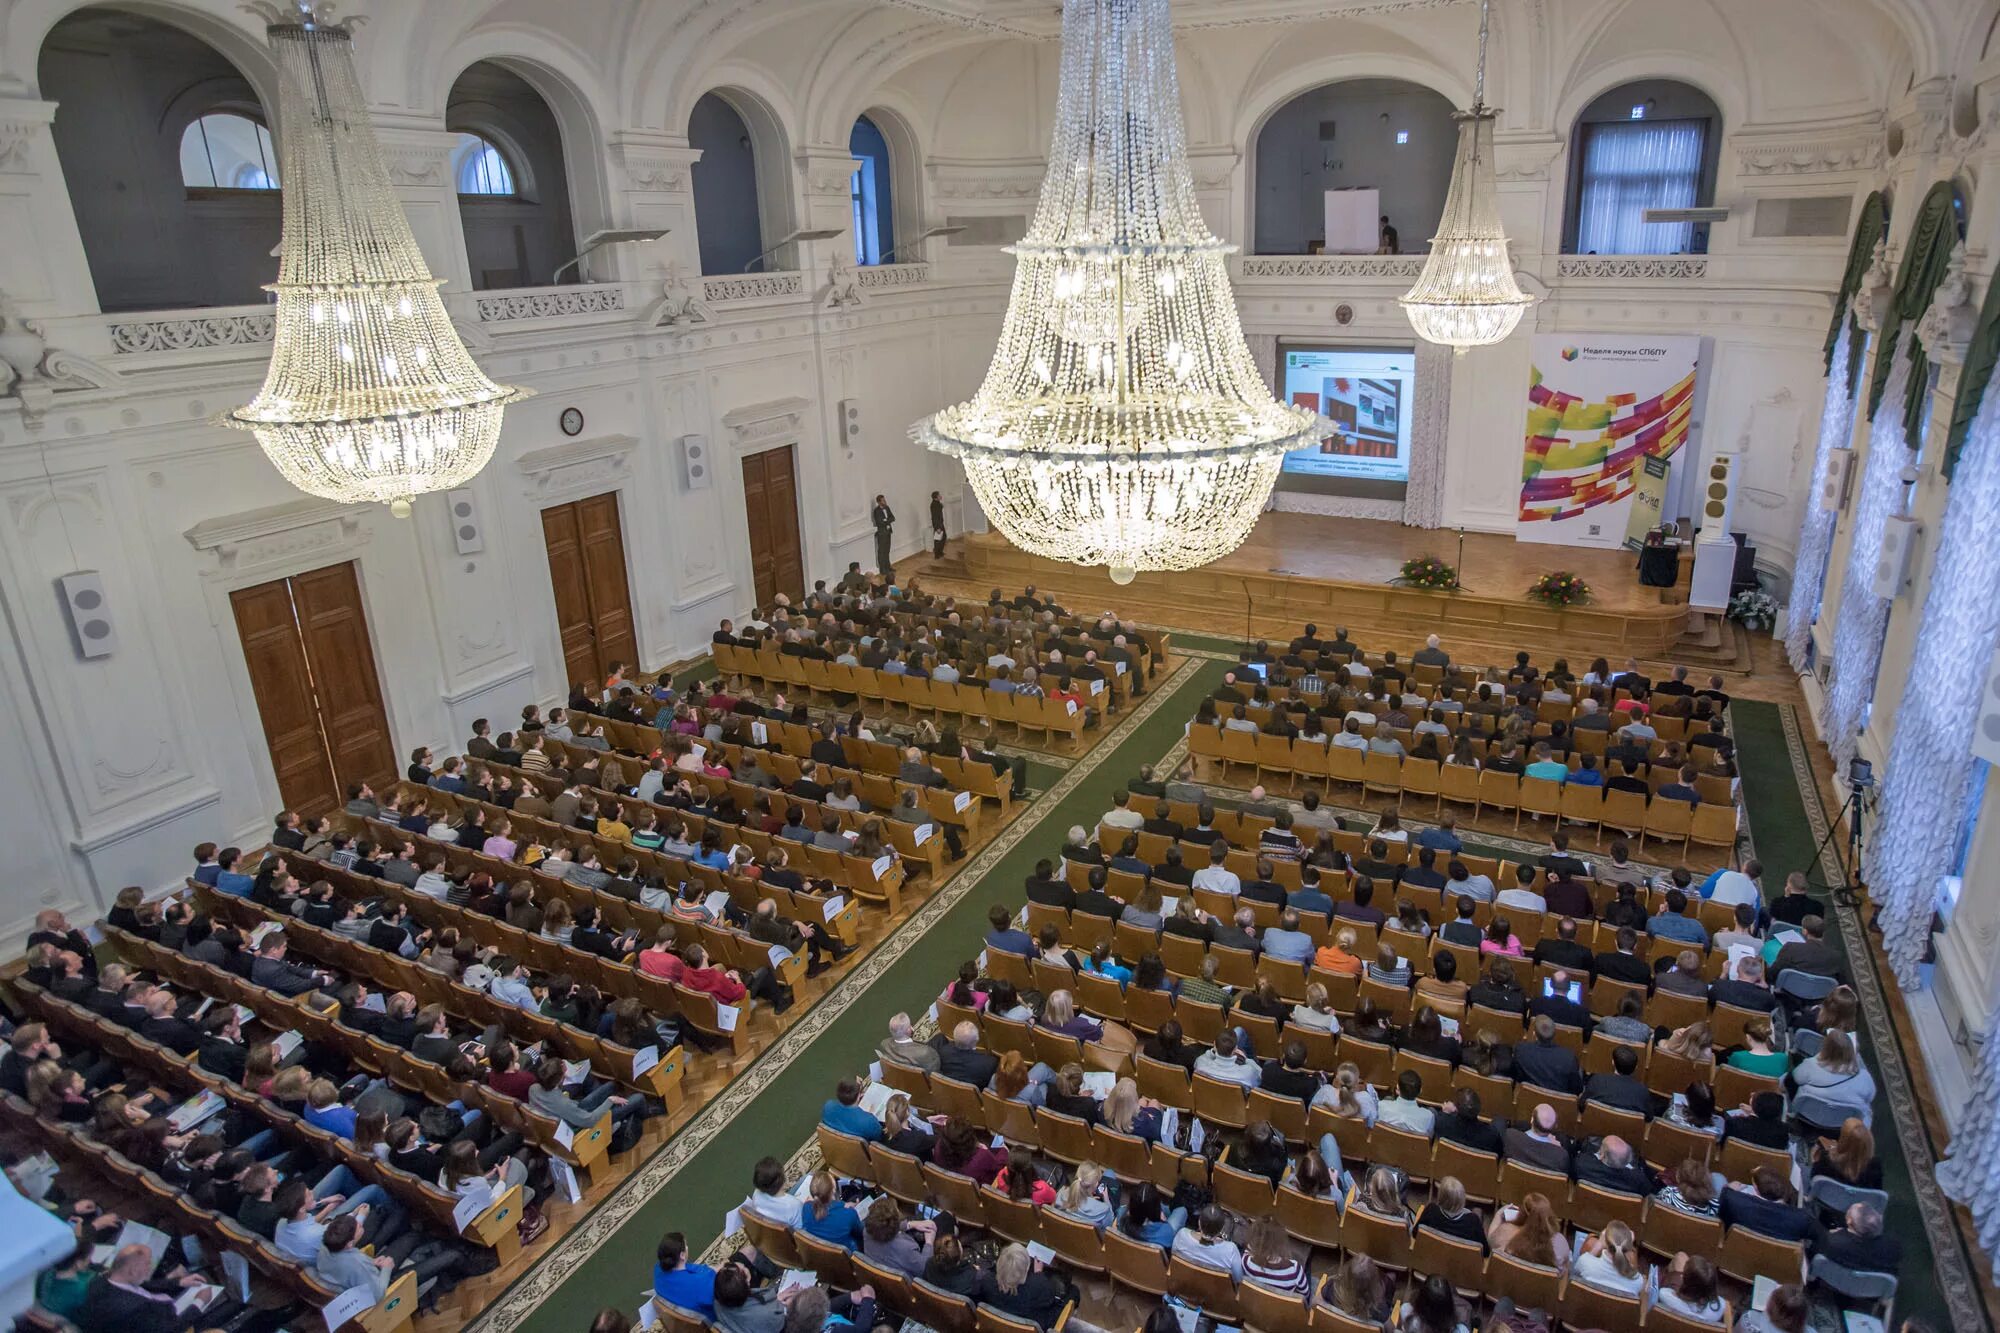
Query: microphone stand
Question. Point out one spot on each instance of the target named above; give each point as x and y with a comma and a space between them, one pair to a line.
1456, 584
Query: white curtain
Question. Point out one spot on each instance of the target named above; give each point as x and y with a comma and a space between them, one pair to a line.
1857, 633
1836, 431
1928, 778
1629, 168
1970, 1172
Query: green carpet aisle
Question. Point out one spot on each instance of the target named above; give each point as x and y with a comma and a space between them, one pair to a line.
608, 1259
1786, 821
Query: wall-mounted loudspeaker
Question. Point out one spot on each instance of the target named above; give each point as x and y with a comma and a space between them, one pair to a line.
89, 618
850, 423
1833, 492
1986, 727
466, 532
1718, 497
1892, 565
696, 474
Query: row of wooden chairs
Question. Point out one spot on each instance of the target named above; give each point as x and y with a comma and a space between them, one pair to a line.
141, 1195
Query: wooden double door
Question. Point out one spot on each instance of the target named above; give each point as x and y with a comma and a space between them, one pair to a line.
771, 499
312, 670
586, 544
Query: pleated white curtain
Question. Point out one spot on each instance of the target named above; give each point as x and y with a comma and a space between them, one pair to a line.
1629, 168
1970, 1172
1857, 633
1836, 431
1929, 774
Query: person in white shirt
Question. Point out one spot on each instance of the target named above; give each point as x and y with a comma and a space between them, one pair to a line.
1362, 715
1405, 1110
1228, 1064
1350, 737
769, 1198
1358, 670
652, 781
1739, 886
433, 883
1215, 875
1610, 1261
1203, 1243
1122, 815
1521, 898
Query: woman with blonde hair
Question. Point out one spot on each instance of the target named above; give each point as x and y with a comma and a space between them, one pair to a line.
1348, 1094
1850, 1157
1084, 1199
1357, 1290
1382, 1195
1609, 1261
825, 1217
558, 920
1695, 1042
1835, 1075
1528, 1231
1339, 957
1059, 1015
1021, 1287
1316, 1014
1129, 1113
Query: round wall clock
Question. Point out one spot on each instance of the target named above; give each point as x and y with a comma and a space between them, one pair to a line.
572, 421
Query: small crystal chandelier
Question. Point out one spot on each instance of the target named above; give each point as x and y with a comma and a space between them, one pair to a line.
370, 395
1122, 422
1467, 296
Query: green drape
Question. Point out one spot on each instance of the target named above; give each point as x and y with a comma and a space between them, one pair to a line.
1925, 259
1869, 230
1972, 381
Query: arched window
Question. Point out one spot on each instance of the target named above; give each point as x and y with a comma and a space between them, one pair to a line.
226, 151
727, 205
1386, 135
874, 208
482, 168
1652, 145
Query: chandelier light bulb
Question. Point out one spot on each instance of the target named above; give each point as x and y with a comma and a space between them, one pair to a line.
370, 395
1122, 422
1467, 295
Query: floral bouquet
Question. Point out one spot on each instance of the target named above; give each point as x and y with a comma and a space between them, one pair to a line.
1753, 609
1427, 571
1560, 588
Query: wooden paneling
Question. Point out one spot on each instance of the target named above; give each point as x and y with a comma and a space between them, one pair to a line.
586, 545
334, 626
283, 688
571, 582
770, 499
312, 670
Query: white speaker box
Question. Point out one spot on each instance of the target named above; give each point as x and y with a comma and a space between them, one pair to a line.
89, 618
696, 474
466, 531
1986, 727
1833, 493
1892, 565
1718, 498
850, 423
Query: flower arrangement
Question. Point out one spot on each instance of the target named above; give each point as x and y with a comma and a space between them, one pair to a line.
1427, 571
1560, 588
1753, 609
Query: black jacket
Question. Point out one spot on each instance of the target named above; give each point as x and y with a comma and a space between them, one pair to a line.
1620, 1091
1549, 1066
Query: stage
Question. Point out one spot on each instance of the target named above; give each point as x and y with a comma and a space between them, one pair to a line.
1336, 571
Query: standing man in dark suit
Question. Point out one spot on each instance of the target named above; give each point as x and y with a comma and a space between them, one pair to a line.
885, 522
937, 525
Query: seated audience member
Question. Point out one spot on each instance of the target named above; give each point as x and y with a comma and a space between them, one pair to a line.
1768, 1205
1205, 1242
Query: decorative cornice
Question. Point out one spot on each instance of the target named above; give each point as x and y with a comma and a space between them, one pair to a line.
1631, 268
577, 467
554, 302
827, 171
977, 178
1809, 155
21, 125
880, 277
1363, 268
765, 423
753, 286
192, 333
255, 538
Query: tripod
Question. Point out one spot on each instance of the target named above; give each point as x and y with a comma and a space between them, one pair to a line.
1855, 811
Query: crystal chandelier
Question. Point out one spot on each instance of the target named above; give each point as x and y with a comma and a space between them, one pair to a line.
370, 395
1467, 296
1122, 422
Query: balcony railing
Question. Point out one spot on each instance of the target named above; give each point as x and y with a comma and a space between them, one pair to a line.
1631, 268
191, 330
730, 287
1354, 268
888, 277
524, 303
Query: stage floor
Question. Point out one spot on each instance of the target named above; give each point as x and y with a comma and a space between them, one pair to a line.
1372, 551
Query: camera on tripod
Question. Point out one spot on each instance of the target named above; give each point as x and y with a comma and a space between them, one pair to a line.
1860, 774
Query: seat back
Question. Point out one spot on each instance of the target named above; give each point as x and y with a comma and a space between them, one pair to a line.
1210, 1290
1135, 1263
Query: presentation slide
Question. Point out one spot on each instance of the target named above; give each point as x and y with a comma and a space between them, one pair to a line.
1367, 393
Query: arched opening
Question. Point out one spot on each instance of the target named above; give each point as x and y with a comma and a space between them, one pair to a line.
513, 184
169, 159
1652, 144
728, 193
873, 195
1387, 135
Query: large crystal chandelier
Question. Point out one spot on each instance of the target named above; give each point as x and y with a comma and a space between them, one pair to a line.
1122, 422
370, 395
1467, 296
